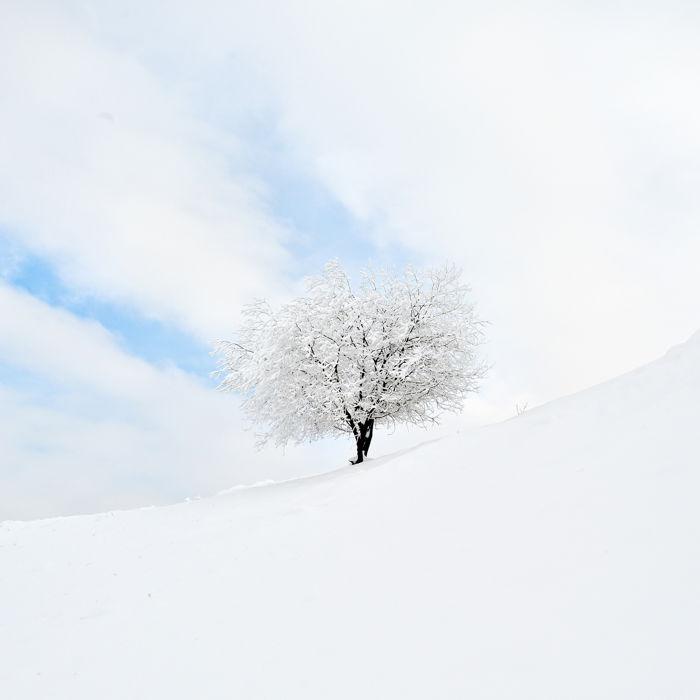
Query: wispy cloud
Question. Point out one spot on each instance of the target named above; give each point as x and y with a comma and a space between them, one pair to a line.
104, 170
87, 425
550, 148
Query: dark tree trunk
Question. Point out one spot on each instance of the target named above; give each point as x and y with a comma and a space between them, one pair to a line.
368, 435
363, 438
360, 453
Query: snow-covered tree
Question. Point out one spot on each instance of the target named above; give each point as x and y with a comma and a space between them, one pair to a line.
397, 349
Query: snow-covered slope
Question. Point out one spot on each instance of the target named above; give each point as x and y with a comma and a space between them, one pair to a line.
556, 556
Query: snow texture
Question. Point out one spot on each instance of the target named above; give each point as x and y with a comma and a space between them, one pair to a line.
552, 556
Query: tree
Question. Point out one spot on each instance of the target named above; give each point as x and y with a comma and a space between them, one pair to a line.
398, 349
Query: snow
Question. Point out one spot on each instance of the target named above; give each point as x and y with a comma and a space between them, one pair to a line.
552, 556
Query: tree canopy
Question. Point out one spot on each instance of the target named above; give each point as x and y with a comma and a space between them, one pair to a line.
399, 348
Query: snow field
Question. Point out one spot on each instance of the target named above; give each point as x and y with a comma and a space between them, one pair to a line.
554, 556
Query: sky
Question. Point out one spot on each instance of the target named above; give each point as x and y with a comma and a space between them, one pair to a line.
160, 166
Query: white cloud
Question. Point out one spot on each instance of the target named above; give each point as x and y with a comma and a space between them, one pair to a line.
105, 170
517, 144
97, 428
550, 148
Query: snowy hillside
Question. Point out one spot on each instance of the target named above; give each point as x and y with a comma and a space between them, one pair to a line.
554, 556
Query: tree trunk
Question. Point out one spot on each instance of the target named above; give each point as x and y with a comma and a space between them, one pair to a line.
368, 435
360, 453
363, 438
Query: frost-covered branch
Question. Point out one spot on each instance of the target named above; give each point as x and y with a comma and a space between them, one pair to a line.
399, 348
